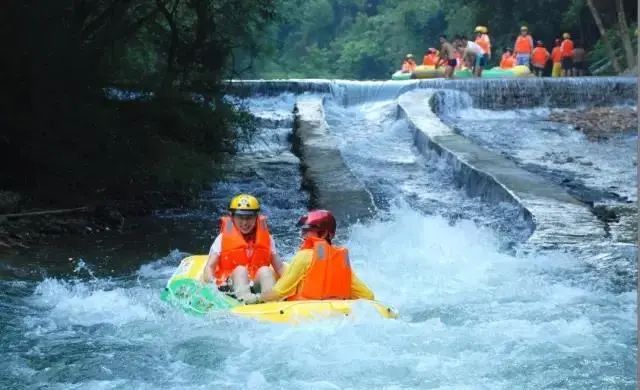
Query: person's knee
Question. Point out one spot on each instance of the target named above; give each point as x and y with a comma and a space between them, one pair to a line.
264, 272
240, 270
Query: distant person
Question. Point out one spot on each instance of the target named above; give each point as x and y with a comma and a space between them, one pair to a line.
579, 56
459, 63
539, 57
556, 57
430, 57
523, 47
448, 56
482, 39
566, 48
473, 54
409, 64
508, 61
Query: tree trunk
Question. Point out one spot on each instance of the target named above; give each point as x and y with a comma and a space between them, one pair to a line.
624, 35
603, 34
172, 71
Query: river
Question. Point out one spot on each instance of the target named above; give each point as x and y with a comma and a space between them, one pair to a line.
475, 311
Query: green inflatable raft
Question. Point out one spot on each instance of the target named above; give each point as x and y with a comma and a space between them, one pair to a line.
399, 75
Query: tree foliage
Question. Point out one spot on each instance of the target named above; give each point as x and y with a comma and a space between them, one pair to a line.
58, 129
366, 39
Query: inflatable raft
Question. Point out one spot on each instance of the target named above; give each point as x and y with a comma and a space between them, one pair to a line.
428, 72
421, 72
399, 75
496, 73
186, 290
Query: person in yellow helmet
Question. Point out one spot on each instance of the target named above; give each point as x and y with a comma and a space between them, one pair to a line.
482, 39
244, 253
523, 47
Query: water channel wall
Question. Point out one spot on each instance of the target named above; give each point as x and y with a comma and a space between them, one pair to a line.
557, 218
492, 94
331, 184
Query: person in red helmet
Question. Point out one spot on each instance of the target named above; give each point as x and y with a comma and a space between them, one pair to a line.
319, 270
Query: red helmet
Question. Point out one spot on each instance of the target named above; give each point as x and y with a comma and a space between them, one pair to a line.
319, 220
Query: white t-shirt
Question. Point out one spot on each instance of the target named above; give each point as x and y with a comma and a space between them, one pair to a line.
475, 48
216, 247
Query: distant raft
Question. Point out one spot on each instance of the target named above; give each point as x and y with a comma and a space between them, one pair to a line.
497, 73
421, 72
431, 72
399, 75
186, 291
428, 72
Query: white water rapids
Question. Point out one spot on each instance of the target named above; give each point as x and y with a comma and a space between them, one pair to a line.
472, 315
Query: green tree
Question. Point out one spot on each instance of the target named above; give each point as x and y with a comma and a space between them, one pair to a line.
60, 132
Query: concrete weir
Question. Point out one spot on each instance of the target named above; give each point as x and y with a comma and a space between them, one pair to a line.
560, 220
331, 184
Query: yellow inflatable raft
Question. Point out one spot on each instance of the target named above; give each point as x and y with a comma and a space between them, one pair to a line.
428, 72
185, 289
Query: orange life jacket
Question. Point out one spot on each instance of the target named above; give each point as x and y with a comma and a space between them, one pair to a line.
567, 48
237, 251
484, 42
539, 57
329, 275
507, 61
556, 54
524, 44
430, 59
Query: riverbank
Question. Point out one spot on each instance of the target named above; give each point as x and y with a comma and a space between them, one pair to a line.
25, 222
92, 169
599, 123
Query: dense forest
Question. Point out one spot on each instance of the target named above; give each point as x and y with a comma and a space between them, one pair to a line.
66, 139
366, 39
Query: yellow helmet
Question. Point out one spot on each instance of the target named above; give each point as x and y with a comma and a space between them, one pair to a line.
481, 29
244, 204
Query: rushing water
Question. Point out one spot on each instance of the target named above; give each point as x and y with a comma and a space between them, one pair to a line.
472, 314
472, 317
380, 149
601, 173
608, 167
